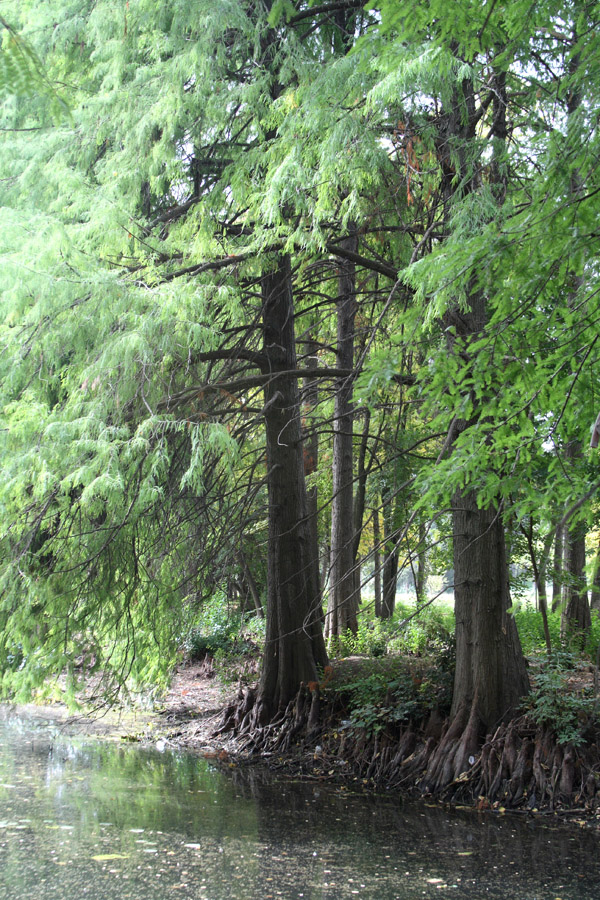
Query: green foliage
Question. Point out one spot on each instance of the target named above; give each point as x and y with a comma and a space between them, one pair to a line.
232, 640
429, 632
371, 639
217, 628
381, 698
21, 70
555, 702
531, 632
376, 703
531, 629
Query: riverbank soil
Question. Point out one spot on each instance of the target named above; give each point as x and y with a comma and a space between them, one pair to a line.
525, 764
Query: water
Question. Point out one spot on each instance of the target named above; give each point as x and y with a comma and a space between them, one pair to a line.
91, 820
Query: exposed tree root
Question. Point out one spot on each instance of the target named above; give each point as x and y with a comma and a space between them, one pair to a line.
519, 766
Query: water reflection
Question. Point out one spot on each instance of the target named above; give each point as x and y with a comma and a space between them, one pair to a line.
94, 820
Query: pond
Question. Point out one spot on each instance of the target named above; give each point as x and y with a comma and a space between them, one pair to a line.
83, 818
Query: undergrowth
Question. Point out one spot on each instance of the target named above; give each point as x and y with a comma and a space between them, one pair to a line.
223, 633
560, 699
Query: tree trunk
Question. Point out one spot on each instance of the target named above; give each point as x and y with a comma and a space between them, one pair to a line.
421, 576
294, 646
390, 583
358, 510
595, 599
557, 568
252, 586
311, 457
539, 577
576, 619
391, 551
491, 676
377, 561
341, 608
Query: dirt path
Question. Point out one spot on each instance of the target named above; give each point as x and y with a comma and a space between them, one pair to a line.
186, 717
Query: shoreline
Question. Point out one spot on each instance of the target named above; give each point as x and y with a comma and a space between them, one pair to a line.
187, 717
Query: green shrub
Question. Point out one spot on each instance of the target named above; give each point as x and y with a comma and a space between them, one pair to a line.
554, 702
219, 631
531, 631
531, 628
429, 632
377, 702
371, 639
387, 697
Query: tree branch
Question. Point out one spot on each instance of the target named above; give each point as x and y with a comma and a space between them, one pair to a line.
250, 381
326, 8
382, 268
197, 269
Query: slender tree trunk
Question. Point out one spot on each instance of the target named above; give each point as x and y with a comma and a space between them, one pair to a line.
391, 556
377, 561
595, 599
341, 609
390, 584
311, 457
358, 510
557, 568
294, 646
576, 619
421, 578
325, 566
251, 582
539, 579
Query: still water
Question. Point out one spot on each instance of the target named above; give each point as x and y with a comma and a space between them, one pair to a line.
91, 820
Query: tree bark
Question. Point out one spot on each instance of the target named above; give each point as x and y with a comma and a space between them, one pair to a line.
377, 561
251, 582
421, 576
576, 619
557, 568
358, 509
311, 457
595, 599
341, 608
491, 675
294, 646
390, 583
